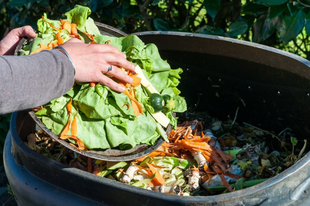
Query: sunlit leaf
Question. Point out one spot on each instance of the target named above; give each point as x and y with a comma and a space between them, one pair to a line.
270, 2
237, 28
212, 7
161, 25
291, 26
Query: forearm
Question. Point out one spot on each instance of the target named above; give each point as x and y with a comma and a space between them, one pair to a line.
30, 81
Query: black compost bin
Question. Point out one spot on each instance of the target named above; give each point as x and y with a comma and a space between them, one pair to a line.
270, 87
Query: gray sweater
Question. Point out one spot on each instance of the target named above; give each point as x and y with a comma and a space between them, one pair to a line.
30, 81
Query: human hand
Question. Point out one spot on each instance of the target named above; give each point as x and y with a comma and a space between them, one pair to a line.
10, 41
92, 62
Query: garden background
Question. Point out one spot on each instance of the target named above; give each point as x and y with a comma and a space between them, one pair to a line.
283, 24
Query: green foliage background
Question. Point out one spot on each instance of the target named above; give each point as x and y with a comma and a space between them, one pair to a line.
283, 24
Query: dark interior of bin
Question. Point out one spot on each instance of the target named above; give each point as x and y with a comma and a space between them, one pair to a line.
270, 89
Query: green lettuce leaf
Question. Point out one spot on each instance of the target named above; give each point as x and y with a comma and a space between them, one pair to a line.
106, 118
78, 15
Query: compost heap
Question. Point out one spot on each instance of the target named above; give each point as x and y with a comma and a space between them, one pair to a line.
91, 115
200, 159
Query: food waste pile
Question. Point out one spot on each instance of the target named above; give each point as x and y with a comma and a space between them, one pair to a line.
198, 157
198, 160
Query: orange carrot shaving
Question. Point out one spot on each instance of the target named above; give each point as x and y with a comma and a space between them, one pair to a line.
205, 167
91, 37
135, 108
74, 127
196, 145
136, 80
208, 158
194, 169
128, 105
59, 39
53, 44
158, 179
74, 31
66, 128
177, 139
134, 100
132, 92
149, 174
63, 135
92, 84
66, 25
51, 25
69, 107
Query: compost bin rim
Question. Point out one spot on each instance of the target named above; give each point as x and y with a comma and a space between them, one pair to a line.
264, 59
226, 39
25, 150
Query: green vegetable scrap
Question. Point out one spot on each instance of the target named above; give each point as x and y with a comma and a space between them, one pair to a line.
102, 119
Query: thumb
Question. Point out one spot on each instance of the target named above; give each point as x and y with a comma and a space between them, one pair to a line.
26, 31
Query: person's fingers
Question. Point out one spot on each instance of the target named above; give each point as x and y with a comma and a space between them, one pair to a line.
114, 71
105, 80
10, 41
119, 61
27, 31
99, 63
102, 54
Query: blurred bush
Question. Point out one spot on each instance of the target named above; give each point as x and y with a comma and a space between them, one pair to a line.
284, 24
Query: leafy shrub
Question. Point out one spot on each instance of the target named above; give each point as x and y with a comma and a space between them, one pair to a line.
279, 23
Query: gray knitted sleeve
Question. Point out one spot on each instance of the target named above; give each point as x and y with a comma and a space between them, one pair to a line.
30, 81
